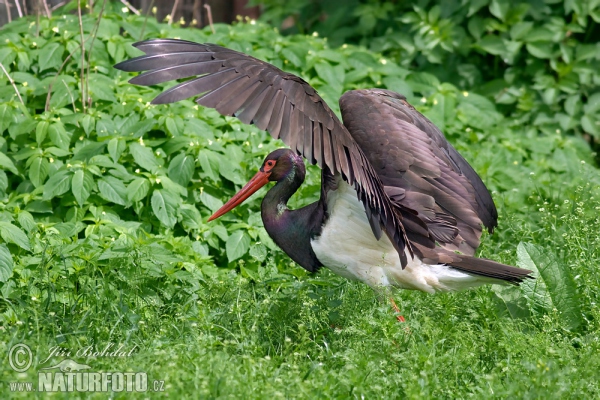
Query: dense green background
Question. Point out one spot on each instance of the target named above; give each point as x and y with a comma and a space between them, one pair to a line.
104, 204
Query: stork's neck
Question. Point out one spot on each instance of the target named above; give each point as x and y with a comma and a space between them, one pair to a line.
274, 204
292, 230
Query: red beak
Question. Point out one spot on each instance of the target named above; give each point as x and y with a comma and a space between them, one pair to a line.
259, 180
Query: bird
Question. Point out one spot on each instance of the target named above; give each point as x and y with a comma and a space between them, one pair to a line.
399, 207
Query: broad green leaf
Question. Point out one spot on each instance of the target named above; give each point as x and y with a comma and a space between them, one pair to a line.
13, 234
332, 76
181, 169
113, 189
59, 136
144, 156
7, 164
493, 45
6, 263
6, 116
101, 87
82, 185
211, 202
38, 171
3, 181
237, 245
540, 49
89, 150
26, 221
172, 187
190, 217
50, 56
209, 163
259, 252
41, 131
58, 184
88, 123
116, 147
553, 287
164, 207
138, 189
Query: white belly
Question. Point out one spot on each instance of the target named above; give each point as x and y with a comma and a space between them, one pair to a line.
348, 247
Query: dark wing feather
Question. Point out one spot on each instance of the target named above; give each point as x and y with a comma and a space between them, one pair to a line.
421, 171
284, 104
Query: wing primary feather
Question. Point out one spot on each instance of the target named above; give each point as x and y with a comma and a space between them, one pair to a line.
157, 76
231, 105
308, 148
158, 61
193, 87
279, 104
226, 91
317, 140
327, 153
265, 110
252, 104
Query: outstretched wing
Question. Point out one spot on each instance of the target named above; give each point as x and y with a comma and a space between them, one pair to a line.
419, 169
259, 93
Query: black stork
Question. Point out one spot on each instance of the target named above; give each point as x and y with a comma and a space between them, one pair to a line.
399, 206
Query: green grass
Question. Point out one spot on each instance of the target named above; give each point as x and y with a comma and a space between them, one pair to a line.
225, 336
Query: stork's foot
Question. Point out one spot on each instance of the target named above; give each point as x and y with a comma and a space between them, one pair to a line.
399, 317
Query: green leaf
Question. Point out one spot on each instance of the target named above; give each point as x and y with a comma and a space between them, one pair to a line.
87, 123
540, 49
27, 222
13, 234
181, 169
332, 76
259, 252
50, 56
164, 207
38, 171
102, 88
7, 164
138, 189
6, 263
553, 287
190, 217
88, 151
144, 157
6, 116
209, 163
41, 131
58, 184
113, 189
237, 245
493, 45
211, 202
59, 136
82, 185
116, 147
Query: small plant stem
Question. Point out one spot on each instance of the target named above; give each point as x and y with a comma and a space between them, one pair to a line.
18, 8
8, 11
48, 12
82, 71
93, 36
173, 12
12, 83
209, 15
148, 11
131, 8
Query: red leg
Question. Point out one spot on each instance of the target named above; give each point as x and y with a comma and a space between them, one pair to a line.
400, 318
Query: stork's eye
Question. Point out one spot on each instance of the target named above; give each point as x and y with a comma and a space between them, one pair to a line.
270, 164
